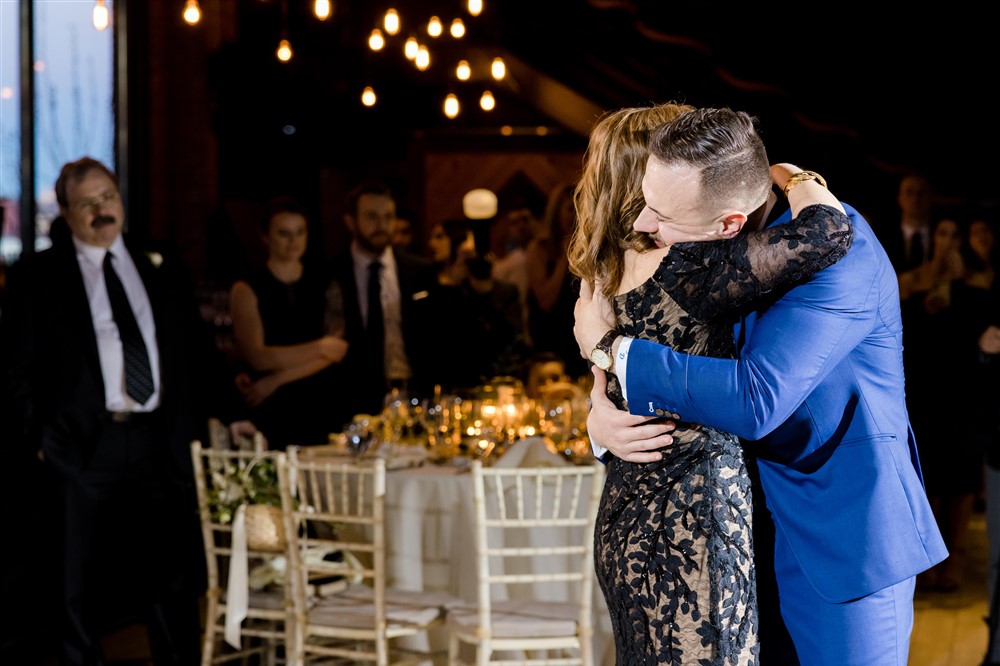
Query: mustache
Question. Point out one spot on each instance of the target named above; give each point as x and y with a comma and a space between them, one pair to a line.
101, 221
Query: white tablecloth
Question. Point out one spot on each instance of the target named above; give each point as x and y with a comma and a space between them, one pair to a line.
430, 539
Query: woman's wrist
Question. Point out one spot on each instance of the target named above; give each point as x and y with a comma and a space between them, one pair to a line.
801, 177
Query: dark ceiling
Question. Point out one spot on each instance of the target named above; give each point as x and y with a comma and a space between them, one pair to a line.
860, 98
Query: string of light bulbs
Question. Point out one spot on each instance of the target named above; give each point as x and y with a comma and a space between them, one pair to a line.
419, 54
388, 28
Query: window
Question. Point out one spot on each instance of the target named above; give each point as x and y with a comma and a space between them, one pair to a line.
73, 106
10, 134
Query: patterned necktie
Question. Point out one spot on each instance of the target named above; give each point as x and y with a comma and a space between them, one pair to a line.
138, 374
376, 319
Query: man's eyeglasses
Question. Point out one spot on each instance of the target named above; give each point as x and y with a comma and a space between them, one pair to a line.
87, 204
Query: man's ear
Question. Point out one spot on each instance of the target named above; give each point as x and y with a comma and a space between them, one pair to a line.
732, 223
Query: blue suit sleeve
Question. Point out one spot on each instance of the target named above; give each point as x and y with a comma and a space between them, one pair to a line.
791, 347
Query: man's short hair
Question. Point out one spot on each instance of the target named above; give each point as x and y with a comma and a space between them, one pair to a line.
375, 187
725, 147
76, 171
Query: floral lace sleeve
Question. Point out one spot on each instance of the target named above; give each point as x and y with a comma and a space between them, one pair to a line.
712, 279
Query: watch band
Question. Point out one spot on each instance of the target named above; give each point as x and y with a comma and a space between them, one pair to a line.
602, 354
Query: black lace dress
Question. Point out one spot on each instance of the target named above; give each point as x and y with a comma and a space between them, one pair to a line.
673, 547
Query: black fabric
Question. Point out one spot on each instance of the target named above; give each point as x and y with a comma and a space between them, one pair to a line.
293, 313
376, 319
138, 373
915, 257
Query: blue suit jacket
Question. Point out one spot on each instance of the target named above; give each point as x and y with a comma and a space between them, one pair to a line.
819, 384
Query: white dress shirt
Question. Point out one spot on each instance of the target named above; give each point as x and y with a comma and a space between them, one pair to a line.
109, 344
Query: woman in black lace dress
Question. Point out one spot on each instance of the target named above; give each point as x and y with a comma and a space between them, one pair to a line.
673, 543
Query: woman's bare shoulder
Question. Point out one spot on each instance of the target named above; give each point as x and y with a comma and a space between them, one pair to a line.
640, 267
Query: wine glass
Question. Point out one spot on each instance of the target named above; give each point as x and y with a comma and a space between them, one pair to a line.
361, 433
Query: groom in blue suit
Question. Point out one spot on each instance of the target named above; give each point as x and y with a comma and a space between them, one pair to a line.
817, 394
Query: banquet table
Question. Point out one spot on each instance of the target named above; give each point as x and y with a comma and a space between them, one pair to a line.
430, 540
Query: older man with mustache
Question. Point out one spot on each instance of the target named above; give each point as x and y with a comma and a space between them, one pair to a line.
100, 339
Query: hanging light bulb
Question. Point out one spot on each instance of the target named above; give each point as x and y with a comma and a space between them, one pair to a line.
423, 58
498, 69
101, 17
475, 7
463, 71
451, 105
192, 12
376, 41
391, 21
368, 97
322, 9
457, 29
487, 102
410, 48
434, 27
284, 51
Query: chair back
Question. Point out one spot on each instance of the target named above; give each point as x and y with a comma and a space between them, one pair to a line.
534, 543
219, 484
335, 507
220, 439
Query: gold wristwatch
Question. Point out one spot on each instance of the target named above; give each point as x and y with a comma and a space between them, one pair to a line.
602, 355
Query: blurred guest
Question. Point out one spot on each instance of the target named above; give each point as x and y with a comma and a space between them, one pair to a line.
470, 299
450, 246
553, 289
941, 324
981, 255
403, 233
944, 263
388, 301
288, 327
988, 410
908, 242
512, 231
106, 355
546, 379
984, 391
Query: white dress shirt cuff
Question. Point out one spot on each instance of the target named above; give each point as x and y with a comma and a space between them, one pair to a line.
621, 365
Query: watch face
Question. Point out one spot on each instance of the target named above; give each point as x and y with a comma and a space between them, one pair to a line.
601, 359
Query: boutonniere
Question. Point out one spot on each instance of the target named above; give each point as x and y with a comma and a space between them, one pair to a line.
155, 258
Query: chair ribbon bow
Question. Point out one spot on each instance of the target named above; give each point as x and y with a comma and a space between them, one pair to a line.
238, 586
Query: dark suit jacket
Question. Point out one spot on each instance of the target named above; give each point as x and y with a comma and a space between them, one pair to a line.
52, 370
891, 238
360, 387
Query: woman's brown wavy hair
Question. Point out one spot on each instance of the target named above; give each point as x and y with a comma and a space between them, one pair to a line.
608, 196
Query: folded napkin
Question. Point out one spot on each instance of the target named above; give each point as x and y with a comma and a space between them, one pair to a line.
399, 456
530, 452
